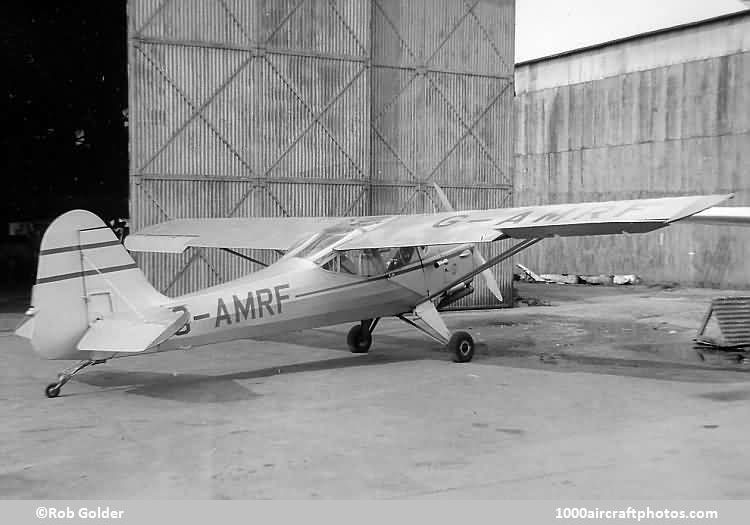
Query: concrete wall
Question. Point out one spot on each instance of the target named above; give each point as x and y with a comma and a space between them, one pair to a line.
663, 114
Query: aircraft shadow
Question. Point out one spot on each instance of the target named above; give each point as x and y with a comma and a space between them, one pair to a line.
525, 353
418, 345
223, 388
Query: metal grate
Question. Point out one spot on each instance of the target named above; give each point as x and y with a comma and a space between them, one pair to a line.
733, 316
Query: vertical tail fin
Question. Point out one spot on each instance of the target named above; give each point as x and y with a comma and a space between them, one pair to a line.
84, 274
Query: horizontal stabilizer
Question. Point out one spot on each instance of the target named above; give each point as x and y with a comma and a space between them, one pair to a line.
128, 333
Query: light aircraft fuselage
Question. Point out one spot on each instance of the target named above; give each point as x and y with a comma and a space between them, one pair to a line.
296, 294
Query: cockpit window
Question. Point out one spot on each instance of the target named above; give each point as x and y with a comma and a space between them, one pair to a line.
370, 262
320, 249
399, 257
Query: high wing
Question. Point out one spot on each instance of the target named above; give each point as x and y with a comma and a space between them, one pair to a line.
722, 216
528, 222
269, 233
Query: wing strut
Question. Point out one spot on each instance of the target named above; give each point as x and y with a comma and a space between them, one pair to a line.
242, 256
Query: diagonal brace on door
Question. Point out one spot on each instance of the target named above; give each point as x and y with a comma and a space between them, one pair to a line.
489, 39
197, 111
469, 130
404, 44
469, 10
316, 118
299, 137
196, 254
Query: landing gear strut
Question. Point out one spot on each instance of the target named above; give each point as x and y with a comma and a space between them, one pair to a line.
359, 338
53, 389
427, 320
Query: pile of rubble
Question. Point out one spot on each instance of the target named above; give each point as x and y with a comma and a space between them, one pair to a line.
566, 278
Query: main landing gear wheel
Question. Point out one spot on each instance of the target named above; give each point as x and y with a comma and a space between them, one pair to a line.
461, 345
359, 339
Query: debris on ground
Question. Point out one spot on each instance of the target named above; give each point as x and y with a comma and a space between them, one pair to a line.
531, 301
605, 280
545, 357
560, 278
625, 279
568, 278
531, 276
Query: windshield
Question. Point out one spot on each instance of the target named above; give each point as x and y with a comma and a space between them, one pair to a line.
319, 247
321, 243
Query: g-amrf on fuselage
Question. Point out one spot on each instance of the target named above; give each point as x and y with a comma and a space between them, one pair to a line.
91, 303
315, 285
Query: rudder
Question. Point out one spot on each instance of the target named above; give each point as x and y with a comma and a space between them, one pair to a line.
84, 274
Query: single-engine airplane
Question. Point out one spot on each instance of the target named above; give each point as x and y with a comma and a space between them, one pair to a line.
91, 303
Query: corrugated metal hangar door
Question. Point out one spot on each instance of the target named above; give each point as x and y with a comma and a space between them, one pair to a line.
442, 104
313, 107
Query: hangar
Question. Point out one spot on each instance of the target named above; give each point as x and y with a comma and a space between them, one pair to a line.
347, 108
313, 108
657, 114
614, 412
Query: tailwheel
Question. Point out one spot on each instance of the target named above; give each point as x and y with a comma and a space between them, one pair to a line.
461, 345
52, 390
359, 337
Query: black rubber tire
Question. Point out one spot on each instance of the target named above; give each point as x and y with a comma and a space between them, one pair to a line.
52, 390
359, 340
461, 345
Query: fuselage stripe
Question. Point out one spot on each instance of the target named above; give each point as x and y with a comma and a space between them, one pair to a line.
363, 281
66, 276
77, 247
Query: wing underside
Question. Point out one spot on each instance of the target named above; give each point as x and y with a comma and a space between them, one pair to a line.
591, 218
262, 233
722, 216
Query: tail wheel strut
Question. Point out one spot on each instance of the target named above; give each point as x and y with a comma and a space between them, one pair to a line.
53, 389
